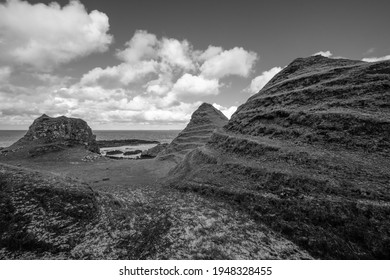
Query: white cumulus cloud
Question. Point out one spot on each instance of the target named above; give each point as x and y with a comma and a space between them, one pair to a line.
323, 53
44, 36
157, 82
260, 81
195, 85
141, 46
210, 53
236, 61
176, 53
227, 111
123, 73
375, 59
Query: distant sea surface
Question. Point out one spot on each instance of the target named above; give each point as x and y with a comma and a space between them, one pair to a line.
8, 137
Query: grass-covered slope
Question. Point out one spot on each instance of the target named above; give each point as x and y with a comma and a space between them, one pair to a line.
197, 132
308, 156
45, 216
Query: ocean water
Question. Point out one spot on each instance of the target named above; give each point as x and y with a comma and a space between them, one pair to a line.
8, 137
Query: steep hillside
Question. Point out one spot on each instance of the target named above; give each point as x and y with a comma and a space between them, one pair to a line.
309, 156
203, 122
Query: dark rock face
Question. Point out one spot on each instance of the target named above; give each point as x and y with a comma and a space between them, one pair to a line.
115, 152
202, 124
309, 156
153, 152
48, 134
130, 153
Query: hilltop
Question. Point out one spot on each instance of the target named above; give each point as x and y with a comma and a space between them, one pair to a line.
197, 132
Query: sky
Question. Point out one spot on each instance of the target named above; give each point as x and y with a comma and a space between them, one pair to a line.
149, 64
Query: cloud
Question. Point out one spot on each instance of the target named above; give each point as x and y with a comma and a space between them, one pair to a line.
176, 53
227, 111
211, 52
325, 54
370, 51
157, 82
5, 73
122, 74
236, 61
141, 46
260, 81
44, 36
195, 85
375, 59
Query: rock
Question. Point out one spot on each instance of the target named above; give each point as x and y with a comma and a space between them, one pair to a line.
115, 157
308, 155
115, 152
202, 124
48, 134
129, 153
153, 152
91, 158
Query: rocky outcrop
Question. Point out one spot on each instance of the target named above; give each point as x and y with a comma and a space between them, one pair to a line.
48, 134
203, 122
131, 153
153, 152
115, 152
309, 156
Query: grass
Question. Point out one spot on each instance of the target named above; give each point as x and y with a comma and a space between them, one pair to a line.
64, 219
328, 227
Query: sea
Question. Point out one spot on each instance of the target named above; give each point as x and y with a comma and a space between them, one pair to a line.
8, 137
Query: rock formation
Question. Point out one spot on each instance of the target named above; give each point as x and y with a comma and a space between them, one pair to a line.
48, 134
131, 153
309, 156
203, 122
